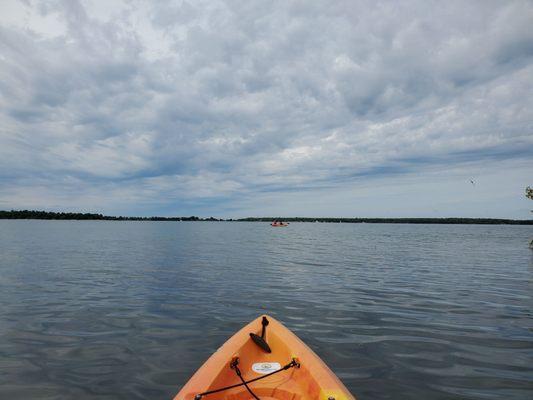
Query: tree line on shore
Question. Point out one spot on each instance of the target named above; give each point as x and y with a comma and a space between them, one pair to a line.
485, 221
32, 214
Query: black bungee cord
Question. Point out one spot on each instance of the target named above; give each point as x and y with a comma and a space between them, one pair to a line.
233, 365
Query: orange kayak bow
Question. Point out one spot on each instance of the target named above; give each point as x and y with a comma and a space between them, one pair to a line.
266, 361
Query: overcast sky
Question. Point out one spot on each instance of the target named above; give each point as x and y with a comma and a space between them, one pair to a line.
267, 108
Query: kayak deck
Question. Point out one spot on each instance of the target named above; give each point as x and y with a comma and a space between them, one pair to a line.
310, 379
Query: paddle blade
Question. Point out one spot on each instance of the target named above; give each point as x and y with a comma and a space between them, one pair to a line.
258, 340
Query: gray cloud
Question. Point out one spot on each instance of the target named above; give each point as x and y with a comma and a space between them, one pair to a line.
180, 107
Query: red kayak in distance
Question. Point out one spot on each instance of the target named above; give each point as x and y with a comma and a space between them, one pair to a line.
279, 223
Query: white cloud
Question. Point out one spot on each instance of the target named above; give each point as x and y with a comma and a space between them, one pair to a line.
246, 100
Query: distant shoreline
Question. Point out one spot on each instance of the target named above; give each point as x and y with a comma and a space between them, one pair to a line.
46, 215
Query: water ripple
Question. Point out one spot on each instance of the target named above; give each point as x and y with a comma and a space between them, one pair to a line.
113, 310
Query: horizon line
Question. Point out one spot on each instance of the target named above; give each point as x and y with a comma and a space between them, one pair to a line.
62, 215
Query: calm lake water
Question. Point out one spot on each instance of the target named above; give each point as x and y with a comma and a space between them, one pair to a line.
129, 310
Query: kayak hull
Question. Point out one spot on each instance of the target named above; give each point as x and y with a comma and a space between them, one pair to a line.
312, 379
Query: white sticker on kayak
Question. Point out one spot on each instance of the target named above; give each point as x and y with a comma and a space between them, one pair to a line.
266, 367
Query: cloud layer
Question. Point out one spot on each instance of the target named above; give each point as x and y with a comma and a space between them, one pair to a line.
239, 107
